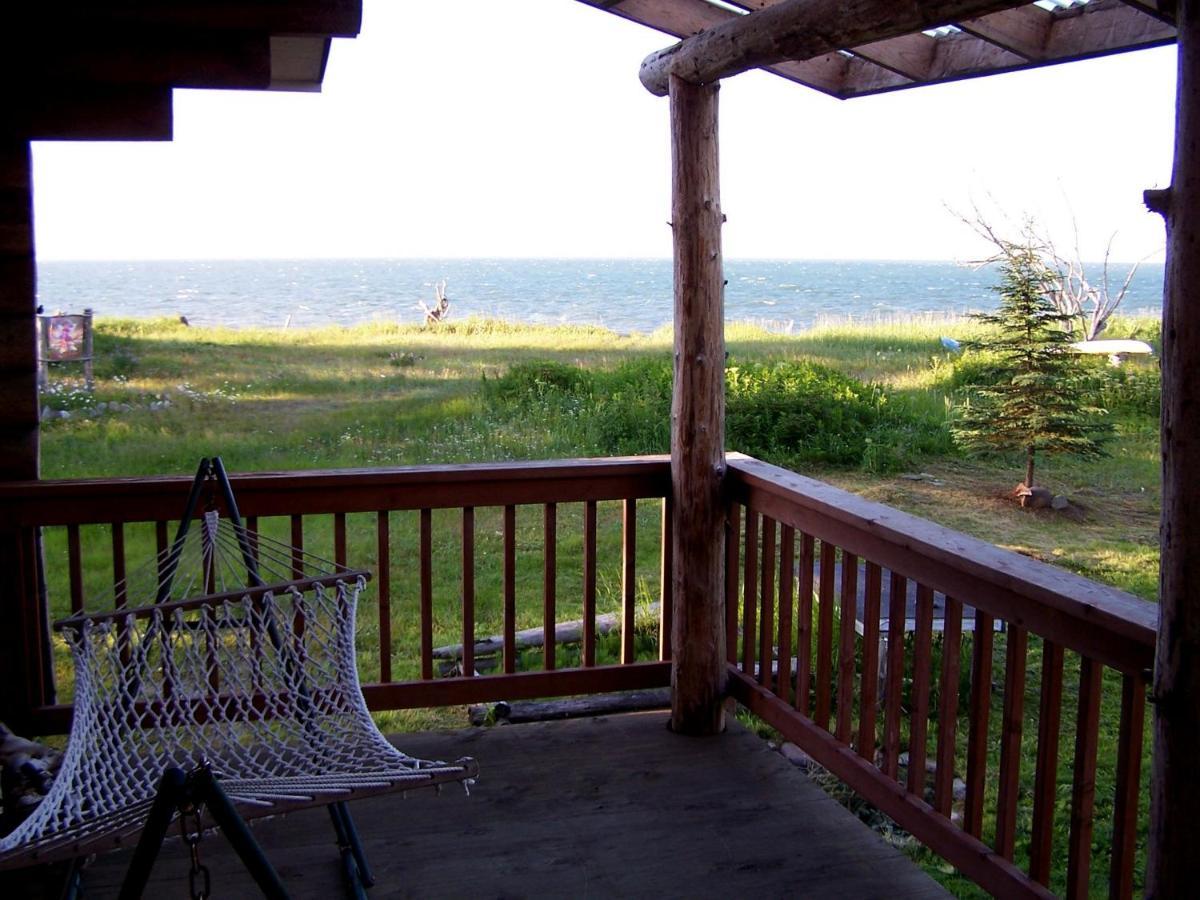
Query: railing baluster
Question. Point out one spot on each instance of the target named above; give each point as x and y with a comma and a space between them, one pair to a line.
1129, 770
666, 583
1010, 740
549, 582
339, 538
118, 558
870, 670
468, 590
628, 580
766, 643
978, 716
787, 595
252, 527
297, 546
383, 581
510, 589
804, 625
589, 584
733, 538
426, 600
75, 568
1045, 784
825, 634
845, 684
161, 545
750, 593
943, 779
893, 689
918, 725
1083, 785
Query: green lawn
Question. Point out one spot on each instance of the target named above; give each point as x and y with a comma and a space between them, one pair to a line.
482, 391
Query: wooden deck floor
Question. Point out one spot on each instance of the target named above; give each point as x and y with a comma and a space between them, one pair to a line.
605, 807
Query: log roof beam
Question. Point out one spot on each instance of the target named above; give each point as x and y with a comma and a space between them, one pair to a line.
855, 49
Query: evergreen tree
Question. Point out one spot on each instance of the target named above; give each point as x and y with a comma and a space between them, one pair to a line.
1035, 402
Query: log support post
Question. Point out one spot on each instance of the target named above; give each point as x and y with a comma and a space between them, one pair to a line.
697, 415
24, 638
1173, 869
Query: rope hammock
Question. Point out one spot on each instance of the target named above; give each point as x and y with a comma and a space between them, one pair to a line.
244, 665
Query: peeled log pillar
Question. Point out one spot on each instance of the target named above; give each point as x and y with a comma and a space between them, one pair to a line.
697, 415
1173, 869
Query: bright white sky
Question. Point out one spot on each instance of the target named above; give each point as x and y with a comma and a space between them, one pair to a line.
478, 128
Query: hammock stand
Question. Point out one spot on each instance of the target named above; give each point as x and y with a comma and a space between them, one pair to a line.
218, 704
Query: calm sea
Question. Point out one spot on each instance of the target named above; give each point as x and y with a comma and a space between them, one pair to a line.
622, 294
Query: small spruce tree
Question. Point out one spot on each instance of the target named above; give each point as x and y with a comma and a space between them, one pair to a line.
1035, 402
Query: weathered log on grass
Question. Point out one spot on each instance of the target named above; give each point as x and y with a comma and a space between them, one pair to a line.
564, 633
522, 711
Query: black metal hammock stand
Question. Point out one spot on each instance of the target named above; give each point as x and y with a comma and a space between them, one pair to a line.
233, 695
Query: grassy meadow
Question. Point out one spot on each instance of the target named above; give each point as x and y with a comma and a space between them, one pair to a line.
862, 405
382, 395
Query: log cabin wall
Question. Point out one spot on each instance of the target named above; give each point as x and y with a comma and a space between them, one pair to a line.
24, 674
18, 362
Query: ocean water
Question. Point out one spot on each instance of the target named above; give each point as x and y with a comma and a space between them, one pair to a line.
625, 295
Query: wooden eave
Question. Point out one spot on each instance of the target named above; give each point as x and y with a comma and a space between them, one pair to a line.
1016, 35
86, 70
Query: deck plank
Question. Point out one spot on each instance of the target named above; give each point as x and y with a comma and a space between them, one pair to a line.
609, 806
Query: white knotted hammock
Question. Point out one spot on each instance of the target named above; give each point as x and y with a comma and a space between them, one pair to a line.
259, 682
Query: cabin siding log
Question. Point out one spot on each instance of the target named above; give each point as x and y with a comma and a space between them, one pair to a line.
697, 416
24, 639
18, 298
1173, 868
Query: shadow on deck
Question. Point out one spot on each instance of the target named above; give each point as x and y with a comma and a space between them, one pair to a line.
603, 807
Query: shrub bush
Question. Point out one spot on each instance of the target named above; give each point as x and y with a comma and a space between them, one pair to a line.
793, 414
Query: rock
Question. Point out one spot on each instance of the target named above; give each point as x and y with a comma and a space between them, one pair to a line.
959, 789
47, 413
1033, 498
930, 764
63, 414
1060, 502
796, 756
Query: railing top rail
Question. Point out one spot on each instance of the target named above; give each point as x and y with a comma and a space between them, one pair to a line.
136, 499
1108, 624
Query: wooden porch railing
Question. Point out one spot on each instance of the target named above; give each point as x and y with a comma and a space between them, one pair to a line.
381, 515
865, 635
809, 566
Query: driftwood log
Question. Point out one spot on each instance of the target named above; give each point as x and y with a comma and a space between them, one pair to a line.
521, 711
441, 306
564, 633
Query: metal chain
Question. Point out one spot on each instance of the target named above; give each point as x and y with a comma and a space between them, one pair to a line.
198, 881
